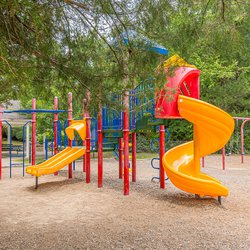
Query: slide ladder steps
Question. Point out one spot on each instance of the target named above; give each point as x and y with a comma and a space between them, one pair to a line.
157, 168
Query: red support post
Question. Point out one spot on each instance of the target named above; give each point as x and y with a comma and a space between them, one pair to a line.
70, 111
133, 157
88, 137
1, 140
87, 158
223, 158
33, 141
162, 151
120, 158
242, 138
100, 155
55, 128
126, 143
84, 142
203, 162
242, 143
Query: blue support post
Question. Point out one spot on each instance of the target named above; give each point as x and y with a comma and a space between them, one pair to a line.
10, 150
46, 149
24, 126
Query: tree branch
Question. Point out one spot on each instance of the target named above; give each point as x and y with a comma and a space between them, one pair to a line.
80, 5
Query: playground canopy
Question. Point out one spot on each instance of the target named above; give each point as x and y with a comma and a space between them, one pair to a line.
131, 36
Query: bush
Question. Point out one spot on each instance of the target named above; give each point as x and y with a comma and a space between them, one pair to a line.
143, 143
17, 133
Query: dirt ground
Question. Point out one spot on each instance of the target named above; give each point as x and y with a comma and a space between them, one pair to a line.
70, 214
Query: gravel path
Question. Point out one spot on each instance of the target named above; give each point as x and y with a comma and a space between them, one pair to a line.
69, 214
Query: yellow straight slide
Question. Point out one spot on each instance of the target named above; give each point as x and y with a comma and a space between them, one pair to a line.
66, 156
56, 162
212, 129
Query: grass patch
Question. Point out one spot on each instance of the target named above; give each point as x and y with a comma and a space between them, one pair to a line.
13, 142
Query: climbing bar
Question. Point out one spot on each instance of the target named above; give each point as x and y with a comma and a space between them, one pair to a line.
29, 111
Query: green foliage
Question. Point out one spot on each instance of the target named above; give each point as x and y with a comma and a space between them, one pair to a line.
4, 132
180, 130
143, 143
17, 134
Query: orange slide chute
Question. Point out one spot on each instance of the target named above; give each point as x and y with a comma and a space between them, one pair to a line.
212, 129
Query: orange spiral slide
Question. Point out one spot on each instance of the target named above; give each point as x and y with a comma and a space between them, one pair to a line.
212, 129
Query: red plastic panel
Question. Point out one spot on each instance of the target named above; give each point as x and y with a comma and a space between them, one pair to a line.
185, 82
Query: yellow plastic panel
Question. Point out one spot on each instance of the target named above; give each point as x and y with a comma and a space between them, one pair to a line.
79, 126
177, 61
212, 129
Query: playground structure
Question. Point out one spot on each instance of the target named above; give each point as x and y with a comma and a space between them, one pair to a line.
106, 130
25, 129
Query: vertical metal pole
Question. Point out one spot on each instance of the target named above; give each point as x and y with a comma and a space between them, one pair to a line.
84, 142
8, 134
133, 107
87, 158
55, 128
203, 162
27, 141
25, 126
196, 151
52, 147
44, 146
1, 140
133, 157
46, 149
242, 139
223, 158
121, 145
88, 139
126, 143
120, 158
100, 155
70, 110
10, 149
23, 156
133, 138
162, 151
33, 144
242, 144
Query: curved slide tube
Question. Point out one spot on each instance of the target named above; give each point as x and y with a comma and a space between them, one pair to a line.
212, 129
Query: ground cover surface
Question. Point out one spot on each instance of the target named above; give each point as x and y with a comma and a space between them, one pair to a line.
70, 214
